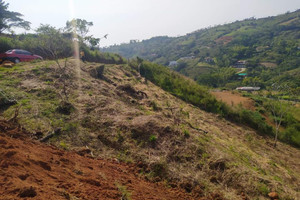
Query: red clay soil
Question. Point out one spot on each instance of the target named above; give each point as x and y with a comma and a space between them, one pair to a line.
33, 170
234, 99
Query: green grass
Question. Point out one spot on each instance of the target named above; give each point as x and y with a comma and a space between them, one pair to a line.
126, 194
263, 189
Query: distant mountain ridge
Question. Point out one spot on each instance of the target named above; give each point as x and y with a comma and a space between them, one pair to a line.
270, 46
252, 36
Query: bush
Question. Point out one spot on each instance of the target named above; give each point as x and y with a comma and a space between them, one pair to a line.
152, 138
183, 88
256, 121
97, 56
292, 135
5, 44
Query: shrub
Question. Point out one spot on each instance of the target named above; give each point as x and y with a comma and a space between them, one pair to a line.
186, 133
65, 108
152, 138
292, 135
159, 169
182, 88
97, 56
154, 106
6, 44
255, 120
126, 195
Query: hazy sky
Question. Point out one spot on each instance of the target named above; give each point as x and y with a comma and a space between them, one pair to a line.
142, 19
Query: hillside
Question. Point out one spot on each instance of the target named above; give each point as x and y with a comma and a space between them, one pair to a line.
270, 46
33, 170
120, 115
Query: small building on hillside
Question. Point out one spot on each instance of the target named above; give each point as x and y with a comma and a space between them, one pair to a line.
262, 48
248, 88
187, 58
173, 63
209, 60
240, 64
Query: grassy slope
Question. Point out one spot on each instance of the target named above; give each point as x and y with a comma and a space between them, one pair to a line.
159, 130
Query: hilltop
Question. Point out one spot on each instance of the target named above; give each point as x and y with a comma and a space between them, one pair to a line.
118, 114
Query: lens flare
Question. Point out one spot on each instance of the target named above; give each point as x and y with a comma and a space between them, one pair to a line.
76, 50
74, 35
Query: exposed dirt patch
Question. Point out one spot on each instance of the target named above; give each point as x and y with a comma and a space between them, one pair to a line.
269, 64
33, 170
234, 99
289, 21
224, 40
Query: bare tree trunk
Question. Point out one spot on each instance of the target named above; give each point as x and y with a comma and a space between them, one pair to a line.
278, 122
276, 136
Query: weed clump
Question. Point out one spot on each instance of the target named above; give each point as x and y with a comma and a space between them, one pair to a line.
126, 195
5, 101
65, 108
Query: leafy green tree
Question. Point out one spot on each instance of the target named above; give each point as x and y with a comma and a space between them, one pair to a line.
93, 42
277, 107
52, 43
252, 81
79, 26
10, 19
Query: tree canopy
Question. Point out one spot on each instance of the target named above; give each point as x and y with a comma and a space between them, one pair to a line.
10, 19
78, 26
52, 42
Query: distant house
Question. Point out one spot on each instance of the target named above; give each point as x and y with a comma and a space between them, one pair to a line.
298, 48
248, 88
240, 64
209, 60
262, 48
187, 58
173, 63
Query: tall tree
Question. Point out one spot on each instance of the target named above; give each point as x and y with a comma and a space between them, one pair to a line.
79, 26
93, 42
277, 106
52, 43
10, 19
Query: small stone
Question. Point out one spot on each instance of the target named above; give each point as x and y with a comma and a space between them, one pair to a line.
273, 195
27, 192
